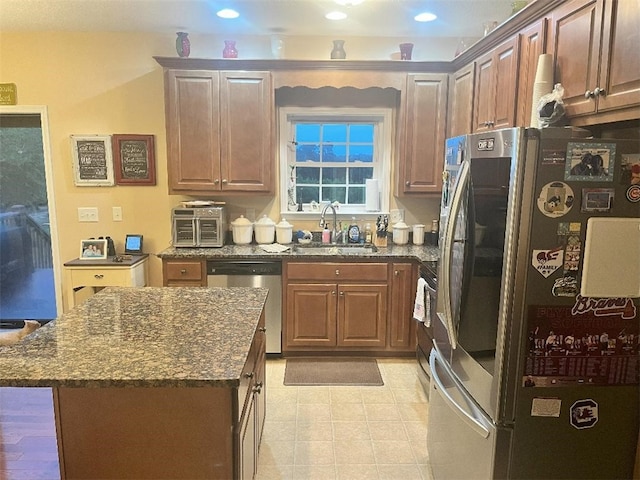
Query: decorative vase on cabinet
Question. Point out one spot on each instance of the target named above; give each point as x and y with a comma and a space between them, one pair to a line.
183, 44
230, 50
338, 52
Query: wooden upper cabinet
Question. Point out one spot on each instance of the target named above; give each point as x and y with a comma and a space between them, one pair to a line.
495, 89
422, 151
461, 100
220, 134
595, 46
193, 130
532, 45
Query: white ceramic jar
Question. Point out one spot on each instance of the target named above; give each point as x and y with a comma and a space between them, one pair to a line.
284, 232
265, 230
418, 234
242, 230
401, 233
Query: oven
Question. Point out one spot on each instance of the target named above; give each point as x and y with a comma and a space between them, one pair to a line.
424, 329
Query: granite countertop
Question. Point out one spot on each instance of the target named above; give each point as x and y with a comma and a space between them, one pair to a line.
421, 253
141, 337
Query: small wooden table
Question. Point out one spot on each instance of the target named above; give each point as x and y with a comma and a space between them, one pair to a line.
79, 274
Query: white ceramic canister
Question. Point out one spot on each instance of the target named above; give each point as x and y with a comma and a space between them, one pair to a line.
242, 230
284, 232
401, 233
265, 230
418, 234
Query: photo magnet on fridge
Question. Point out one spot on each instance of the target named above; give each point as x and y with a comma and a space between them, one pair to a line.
590, 162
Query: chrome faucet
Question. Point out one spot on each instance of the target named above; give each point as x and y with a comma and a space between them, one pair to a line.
335, 232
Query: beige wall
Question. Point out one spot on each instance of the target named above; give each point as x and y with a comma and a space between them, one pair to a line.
107, 83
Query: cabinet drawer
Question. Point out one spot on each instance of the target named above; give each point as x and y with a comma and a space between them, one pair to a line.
337, 271
108, 277
184, 270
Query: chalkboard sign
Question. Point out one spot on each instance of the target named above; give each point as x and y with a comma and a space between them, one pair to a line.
134, 159
92, 160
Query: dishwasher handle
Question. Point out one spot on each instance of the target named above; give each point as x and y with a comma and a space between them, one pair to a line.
243, 267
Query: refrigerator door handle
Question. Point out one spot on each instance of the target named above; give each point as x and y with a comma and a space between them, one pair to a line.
465, 415
449, 236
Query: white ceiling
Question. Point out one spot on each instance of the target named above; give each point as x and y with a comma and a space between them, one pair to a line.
377, 18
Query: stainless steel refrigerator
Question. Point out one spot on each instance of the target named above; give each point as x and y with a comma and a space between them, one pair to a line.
534, 370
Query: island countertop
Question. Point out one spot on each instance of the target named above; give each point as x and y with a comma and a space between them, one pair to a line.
141, 337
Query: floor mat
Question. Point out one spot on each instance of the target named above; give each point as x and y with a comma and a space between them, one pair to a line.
332, 371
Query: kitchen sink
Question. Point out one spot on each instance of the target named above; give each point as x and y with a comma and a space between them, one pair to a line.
335, 249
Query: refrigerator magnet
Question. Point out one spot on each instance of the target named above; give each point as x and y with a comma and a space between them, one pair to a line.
630, 164
597, 199
566, 286
547, 261
555, 199
545, 407
584, 413
590, 162
633, 193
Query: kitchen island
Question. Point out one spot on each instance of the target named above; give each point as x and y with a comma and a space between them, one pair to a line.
152, 382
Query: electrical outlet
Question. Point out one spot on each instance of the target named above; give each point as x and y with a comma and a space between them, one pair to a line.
117, 214
87, 214
396, 215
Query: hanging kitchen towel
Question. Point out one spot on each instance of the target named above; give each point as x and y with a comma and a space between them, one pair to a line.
419, 307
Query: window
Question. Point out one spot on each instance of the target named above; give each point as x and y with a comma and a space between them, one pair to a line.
328, 155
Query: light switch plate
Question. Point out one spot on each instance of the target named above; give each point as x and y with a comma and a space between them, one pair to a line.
87, 214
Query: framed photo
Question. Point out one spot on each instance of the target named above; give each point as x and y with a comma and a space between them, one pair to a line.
93, 249
92, 160
590, 162
134, 159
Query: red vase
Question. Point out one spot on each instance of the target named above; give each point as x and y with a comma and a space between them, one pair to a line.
229, 49
183, 45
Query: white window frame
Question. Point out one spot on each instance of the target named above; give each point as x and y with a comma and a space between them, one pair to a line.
383, 147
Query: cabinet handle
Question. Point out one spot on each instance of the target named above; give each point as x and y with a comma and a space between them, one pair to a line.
333, 292
225, 181
407, 183
262, 329
258, 387
248, 375
589, 94
599, 92
216, 181
342, 294
98, 276
183, 271
396, 273
337, 271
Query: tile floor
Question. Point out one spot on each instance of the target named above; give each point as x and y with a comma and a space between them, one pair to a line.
346, 432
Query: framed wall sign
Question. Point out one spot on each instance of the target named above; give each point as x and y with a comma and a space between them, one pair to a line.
92, 160
134, 159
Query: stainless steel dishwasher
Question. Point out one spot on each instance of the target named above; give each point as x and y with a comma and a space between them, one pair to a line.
252, 273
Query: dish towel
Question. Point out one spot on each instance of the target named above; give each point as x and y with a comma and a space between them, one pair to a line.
419, 307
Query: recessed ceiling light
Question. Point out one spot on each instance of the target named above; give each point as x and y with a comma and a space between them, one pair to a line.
348, 3
336, 15
425, 17
227, 13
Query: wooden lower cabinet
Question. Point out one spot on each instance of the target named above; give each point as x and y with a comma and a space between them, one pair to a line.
348, 307
179, 272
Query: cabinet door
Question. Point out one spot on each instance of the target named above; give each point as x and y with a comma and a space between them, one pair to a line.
620, 67
575, 44
461, 105
362, 315
506, 74
403, 287
484, 93
532, 42
247, 143
193, 130
421, 165
248, 459
184, 273
311, 315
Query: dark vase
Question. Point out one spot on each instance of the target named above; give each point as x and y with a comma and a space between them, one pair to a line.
338, 52
183, 45
229, 49
405, 51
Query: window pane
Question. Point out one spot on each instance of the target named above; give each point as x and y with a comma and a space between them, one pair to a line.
334, 153
307, 194
331, 194
307, 132
307, 175
334, 176
307, 152
334, 133
359, 175
356, 195
361, 153
361, 133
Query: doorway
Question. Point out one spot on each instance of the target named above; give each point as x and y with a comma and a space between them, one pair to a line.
29, 270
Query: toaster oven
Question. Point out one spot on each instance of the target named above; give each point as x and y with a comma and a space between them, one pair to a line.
198, 226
